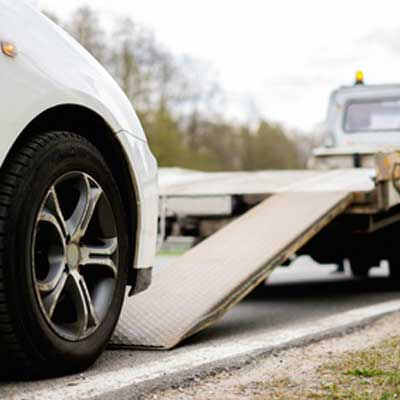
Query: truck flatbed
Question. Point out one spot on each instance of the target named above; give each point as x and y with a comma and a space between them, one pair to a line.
193, 183
287, 211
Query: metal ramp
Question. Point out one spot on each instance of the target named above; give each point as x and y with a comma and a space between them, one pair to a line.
215, 275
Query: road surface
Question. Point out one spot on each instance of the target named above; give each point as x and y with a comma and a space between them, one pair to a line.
301, 293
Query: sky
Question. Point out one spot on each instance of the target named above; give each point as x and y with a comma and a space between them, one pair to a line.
279, 59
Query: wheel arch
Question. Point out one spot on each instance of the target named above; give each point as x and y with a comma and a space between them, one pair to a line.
90, 125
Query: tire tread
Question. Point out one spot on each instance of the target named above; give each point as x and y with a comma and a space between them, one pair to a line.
11, 176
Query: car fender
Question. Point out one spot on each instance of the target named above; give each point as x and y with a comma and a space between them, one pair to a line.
49, 69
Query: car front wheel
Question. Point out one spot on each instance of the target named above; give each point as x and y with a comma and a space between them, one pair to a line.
63, 255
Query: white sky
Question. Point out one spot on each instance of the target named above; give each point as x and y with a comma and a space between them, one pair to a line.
287, 55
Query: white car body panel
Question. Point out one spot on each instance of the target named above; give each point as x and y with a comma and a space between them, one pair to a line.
144, 172
51, 69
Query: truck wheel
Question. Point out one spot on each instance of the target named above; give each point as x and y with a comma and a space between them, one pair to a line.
359, 267
394, 269
63, 255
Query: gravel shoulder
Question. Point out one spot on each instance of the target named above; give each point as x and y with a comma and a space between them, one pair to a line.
360, 365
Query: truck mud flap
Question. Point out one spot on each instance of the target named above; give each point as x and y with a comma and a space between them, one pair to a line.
203, 284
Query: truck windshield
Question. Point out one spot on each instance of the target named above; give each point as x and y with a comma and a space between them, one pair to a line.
372, 116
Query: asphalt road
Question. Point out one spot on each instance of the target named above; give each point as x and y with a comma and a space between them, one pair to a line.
301, 293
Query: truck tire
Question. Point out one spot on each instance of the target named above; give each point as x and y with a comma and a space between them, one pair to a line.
359, 267
63, 255
394, 268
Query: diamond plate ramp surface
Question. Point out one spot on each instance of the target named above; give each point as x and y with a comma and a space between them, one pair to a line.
204, 283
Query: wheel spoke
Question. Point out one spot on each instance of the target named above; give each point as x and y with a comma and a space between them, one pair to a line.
92, 317
86, 316
100, 254
78, 298
51, 300
82, 215
53, 205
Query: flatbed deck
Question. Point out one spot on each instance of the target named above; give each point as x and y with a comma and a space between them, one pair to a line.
192, 183
283, 213
193, 193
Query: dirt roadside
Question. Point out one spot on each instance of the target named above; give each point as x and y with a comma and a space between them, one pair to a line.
360, 365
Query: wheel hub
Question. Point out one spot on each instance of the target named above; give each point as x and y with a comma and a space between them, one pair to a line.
73, 255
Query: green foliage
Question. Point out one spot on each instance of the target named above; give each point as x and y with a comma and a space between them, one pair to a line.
365, 372
165, 138
268, 148
177, 102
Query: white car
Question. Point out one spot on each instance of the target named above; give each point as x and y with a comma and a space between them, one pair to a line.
78, 198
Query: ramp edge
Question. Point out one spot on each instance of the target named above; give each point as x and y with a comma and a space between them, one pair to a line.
240, 293
163, 322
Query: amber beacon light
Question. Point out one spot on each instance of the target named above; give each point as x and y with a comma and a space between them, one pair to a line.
359, 78
8, 49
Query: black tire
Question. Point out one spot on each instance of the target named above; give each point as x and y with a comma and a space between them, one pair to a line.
394, 269
28, 341
359, 267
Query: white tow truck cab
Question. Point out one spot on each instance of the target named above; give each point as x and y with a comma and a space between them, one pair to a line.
362, 120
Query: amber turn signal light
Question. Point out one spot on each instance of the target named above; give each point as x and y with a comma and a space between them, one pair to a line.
8, 49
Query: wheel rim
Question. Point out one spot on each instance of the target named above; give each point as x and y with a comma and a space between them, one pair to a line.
75, 256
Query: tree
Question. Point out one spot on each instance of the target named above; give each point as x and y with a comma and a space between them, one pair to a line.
165, 139
85, 27
179, 102
268, 148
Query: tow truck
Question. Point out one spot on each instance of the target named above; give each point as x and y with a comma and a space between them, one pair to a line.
347, 206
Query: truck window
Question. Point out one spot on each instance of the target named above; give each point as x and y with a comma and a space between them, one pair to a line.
372, 116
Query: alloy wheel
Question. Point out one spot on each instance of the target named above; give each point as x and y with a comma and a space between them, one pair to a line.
75, 256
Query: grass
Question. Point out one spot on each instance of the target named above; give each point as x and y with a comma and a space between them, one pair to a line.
372, 374
366, 372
